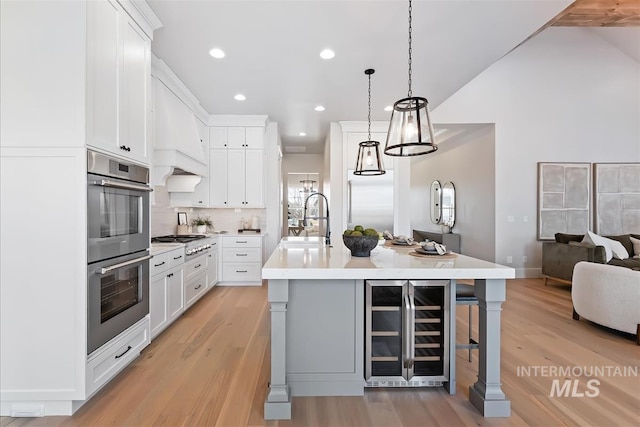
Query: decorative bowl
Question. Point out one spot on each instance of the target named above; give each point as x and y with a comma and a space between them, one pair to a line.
360, 245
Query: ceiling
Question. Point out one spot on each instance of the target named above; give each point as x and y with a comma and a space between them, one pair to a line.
272, 52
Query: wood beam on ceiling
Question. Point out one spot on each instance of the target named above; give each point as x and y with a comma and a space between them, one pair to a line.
599, 13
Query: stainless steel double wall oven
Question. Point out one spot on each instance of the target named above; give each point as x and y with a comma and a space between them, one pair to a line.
117, 247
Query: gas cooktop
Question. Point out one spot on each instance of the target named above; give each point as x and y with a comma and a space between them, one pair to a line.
177, 238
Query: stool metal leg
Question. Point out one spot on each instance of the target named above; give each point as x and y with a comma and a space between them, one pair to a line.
470, 323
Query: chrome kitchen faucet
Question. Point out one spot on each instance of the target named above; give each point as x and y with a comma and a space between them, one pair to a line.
327, 237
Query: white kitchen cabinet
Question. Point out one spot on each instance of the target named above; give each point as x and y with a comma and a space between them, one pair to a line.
195, 273
166, 289
236, 167
212, 264
118, 82
54, 73
199, 197
241, 260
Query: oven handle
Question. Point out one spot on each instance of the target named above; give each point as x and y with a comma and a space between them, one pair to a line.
105, 270
126, 186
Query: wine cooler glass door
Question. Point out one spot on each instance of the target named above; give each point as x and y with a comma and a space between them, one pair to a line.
429, 350
384, 325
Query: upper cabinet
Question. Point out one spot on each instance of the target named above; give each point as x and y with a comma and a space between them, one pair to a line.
236, 167
118, 82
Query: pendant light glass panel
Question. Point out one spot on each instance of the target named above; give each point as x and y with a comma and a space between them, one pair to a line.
410, 129
369, 161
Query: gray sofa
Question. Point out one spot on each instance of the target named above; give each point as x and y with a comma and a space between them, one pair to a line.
559, 257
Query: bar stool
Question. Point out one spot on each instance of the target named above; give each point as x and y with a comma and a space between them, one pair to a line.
465, 295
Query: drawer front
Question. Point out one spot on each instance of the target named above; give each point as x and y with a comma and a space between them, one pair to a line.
195, 288
176, 257
195, 267
242, 255
250, 272
243, 242
116, 355
159, 263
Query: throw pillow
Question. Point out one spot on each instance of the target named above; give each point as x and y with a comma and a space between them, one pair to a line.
611, 247
566, 238
636, 246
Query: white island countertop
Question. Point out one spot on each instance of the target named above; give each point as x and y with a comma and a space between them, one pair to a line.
310, 258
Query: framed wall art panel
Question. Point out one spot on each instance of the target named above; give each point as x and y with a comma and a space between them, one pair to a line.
616, 198
564, 198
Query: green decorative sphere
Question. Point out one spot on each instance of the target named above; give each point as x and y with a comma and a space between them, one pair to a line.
360, 245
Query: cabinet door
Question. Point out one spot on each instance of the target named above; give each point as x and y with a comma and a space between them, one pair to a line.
103, 68
218, 137
200, 195
212, 268
235, 137
158, 315
175, 294
236, 178
254, 138
218, 178
254, 163
134, 92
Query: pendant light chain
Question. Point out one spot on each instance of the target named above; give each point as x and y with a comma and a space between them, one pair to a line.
410, 29
369, 116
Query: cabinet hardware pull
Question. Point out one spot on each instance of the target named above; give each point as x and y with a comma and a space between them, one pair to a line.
177, 257
241, 241
198, 266
197, 287
170, 275
241, 271
158, 265
242, 254
125, 352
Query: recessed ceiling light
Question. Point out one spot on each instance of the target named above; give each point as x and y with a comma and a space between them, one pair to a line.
217, 53
240, 97
319, 108
388, 108
302, 134
327, 54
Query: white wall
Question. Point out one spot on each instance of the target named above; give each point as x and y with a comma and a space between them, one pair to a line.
468, 161
566, 95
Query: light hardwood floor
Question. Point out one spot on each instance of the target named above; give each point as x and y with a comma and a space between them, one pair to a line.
211, 368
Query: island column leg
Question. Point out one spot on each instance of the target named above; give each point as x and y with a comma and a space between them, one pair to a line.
486, 394
277, 405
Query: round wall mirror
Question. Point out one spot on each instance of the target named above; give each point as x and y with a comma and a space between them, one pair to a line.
448, 204
436, 202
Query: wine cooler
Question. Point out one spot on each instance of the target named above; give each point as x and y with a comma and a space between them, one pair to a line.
407, 333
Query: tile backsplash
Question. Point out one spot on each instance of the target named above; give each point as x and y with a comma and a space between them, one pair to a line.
164, 218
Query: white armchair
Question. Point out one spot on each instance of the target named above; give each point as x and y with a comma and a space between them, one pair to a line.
608, 295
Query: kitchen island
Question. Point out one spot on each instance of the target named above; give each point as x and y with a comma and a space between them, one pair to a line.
316, 296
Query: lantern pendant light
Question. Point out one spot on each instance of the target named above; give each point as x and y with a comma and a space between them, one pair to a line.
369, 161
410, 129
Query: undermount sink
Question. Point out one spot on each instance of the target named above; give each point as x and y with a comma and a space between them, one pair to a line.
302, 242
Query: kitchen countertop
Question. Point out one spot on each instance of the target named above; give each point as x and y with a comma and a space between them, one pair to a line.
310, 258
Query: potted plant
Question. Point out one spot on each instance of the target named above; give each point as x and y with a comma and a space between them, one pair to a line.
201, 223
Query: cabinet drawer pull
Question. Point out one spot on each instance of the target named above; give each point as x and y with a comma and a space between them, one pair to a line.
158, 265
241, 241
197, 266
197, 287
177, 257
242, 254
125, 352
241, 271
170, 275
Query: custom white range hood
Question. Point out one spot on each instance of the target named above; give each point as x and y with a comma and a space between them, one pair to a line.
179, 162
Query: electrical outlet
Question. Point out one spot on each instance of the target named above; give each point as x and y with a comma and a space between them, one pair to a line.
509, 259
511, 218
524, 258
525, 219
237, 210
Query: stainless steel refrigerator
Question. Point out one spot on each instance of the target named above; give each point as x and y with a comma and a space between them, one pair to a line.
370, 201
